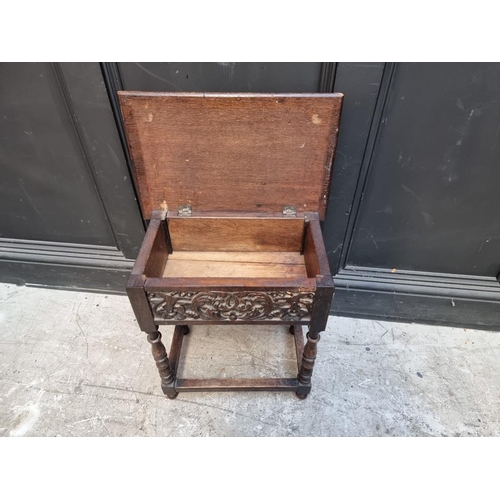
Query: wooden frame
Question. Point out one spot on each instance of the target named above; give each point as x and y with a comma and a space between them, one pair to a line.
231, 384
144, 282
225, 163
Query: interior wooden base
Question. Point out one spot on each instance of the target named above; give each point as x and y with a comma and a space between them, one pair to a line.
181, 264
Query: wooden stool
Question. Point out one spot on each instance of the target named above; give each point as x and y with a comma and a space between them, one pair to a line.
234, 187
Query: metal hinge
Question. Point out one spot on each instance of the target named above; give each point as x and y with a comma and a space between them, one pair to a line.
290, 210
184, 210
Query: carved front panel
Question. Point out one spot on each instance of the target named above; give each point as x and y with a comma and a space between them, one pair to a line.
231, 306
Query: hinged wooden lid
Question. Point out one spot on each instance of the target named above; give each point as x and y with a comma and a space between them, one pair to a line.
232, 152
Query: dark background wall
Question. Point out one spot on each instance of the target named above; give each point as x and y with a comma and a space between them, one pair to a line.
412, 230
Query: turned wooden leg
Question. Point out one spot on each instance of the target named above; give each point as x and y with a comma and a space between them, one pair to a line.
307, 366
185, 329
162, 363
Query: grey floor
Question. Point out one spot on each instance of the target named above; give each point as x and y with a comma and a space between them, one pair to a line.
76, 364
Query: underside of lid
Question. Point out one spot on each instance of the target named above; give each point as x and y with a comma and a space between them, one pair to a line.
232, 152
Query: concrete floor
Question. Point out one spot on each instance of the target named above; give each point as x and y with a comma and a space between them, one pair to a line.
76, 364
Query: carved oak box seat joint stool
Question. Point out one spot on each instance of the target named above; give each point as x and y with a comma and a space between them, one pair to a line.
234, 187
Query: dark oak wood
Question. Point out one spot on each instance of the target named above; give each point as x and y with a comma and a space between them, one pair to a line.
230, 284
140, 304
147, 248
310, 255
233, 152
221, 305
242, 384
159, 251
323, 299
227, 323
308, 357
232, 259
319, 246
171, 385
162, 363
296, 331
176, 346
136, 282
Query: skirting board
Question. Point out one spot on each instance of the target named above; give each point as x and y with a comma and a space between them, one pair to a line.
63, 265
411, 296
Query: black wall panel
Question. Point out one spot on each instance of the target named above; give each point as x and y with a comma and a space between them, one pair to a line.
46, 191
422, 238
221, 77
360, 83
431, 200
68, 212
412, 230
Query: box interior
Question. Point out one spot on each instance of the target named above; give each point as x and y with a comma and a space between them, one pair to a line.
236, 248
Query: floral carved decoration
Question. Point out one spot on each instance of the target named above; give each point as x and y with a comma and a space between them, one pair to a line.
231, 306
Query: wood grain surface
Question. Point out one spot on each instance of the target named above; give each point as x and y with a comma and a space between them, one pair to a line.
236, 234
234, 152
235, 265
